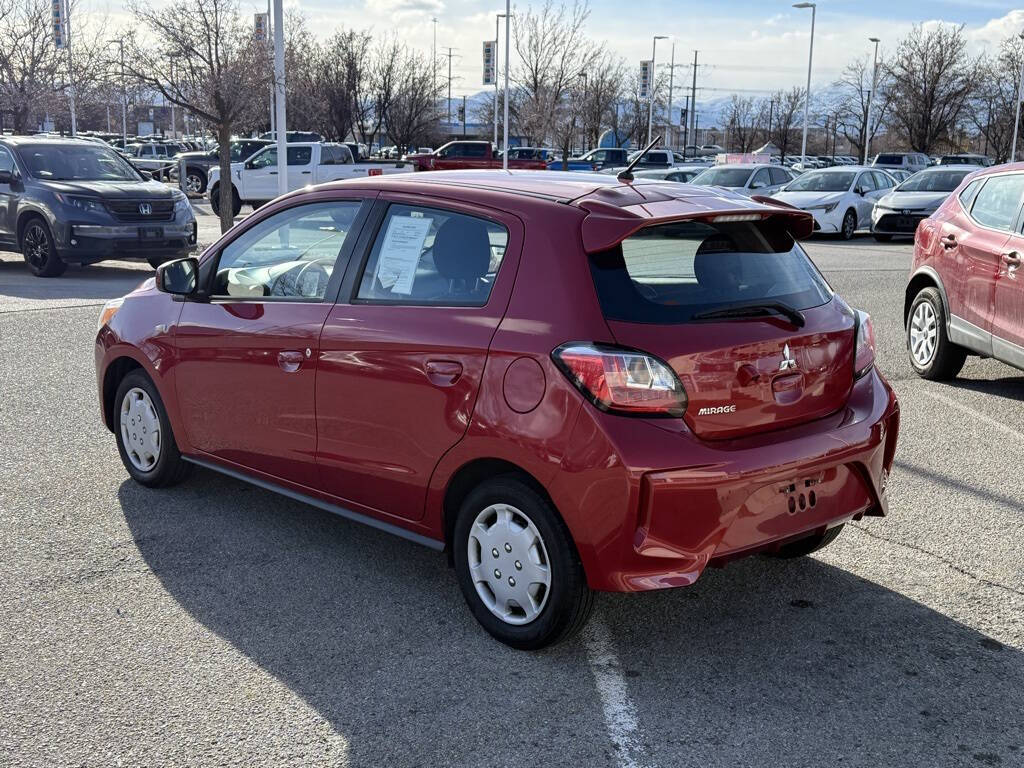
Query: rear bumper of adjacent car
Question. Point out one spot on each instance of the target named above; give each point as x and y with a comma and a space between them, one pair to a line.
650, 505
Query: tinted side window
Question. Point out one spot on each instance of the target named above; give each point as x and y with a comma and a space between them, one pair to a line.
881, 180
290, 255
760, 179
867, 182
432, 256
474, 150
299, 155
998, 202
779, 176
6, 160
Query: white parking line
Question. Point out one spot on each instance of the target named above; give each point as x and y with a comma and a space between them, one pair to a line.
619, 711
976, 414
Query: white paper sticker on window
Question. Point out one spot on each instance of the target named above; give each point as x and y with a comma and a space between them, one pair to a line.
400, 253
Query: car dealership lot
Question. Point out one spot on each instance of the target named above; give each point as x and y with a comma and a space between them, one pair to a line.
216, 623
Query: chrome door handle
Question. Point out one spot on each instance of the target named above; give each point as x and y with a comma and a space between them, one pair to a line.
290, 360
1011, 259
949, 241
443, 373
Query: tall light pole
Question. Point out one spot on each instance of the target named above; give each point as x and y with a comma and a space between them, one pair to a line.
650, 86
279, 100
1016, 117
497, 22
71, 70
807, 95
124, 96
671, 82
871, 98
508, 21
273, 88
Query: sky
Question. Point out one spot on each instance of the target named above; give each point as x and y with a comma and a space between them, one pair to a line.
744, 46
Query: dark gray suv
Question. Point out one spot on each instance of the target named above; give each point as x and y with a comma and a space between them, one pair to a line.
70, 201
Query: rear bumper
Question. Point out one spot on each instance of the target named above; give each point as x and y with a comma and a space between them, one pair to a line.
646, 521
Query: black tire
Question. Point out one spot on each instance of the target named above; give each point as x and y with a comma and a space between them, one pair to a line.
947, 358
169, 468
236, 203
569, 600
805, 546
39, 250
849, 228
195, 180
883, 238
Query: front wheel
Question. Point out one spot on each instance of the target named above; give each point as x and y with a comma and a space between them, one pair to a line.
39, 250
236, 203
144, 439
517, 566
932, 355
195, 181
849, 225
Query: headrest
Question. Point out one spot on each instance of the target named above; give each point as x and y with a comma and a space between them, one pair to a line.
716, 264
462, 249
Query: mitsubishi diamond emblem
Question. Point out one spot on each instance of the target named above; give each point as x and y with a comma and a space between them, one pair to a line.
145, 209
787, 360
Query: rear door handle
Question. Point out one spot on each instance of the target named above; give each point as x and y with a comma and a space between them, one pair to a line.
443, 373
949, 241
1012, 261
290, 360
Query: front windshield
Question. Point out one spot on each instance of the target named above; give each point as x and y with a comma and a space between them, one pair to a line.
934, 181
723, 177
76, 162
822, 182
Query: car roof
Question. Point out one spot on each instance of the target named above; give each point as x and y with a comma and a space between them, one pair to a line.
36, 140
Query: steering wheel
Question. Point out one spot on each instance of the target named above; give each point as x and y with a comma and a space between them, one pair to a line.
305, 268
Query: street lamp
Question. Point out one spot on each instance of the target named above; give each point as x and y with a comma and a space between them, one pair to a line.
650, 86
810, 59
504, 154
497, 21
1016, 117
124, 95
871, 97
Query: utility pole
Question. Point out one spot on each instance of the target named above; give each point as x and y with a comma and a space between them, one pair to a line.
450, 87
279, 100
693, 103
651, 88
871, 96
807, 93
497, 21
273, 117
124, 95
671, 80
433, 66
463, 116
508, 20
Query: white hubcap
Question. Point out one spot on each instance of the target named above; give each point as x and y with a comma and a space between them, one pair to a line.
509, 564
140, 429
923, 333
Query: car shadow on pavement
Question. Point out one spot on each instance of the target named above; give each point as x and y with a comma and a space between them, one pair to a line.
1010, 387
96, 281
765, 662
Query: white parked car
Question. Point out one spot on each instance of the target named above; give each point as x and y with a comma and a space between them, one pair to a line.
747, 179
255, 180
840, 199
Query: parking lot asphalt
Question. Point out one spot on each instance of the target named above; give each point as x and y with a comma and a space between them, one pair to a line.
219, 624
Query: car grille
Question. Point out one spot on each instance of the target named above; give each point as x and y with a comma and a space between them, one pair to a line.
898, 222
128, 210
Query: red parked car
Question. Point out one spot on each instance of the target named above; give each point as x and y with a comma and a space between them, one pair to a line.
965, 296
474, 156
571, 382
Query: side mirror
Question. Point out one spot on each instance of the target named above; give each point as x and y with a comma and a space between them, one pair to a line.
758, 185
6, 177
860, 191
178, 277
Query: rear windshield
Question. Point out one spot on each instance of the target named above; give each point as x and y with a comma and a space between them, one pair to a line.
933, 181
889, 159
724, 177
671, 272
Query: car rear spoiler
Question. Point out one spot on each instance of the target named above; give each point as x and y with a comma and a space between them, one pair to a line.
606, 225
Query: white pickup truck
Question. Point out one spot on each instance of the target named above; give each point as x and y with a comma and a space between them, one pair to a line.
254, 181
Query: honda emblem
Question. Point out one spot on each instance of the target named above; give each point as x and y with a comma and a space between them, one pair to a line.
145, 209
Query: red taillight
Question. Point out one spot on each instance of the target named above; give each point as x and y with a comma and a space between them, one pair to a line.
864, 357
622, 380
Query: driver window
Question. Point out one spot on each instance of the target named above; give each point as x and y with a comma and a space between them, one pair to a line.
290, 255
760, 179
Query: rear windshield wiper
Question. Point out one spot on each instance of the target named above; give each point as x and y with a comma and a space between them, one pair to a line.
755, 309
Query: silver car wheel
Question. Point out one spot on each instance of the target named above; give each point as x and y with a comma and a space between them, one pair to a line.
140, 429
509, 564
923, 334
194, 184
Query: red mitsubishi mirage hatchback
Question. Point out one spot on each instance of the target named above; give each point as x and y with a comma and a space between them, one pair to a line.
570, 382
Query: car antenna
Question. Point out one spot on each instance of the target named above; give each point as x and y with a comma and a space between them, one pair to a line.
626, 174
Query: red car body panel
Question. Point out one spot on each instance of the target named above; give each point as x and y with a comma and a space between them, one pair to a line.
394, 401
436, 161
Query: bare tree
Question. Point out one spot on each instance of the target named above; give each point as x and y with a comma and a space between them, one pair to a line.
338, 69
854, 88
552, 51
29, 63
217, 67
741, 121
411, 113
375, 88
991, 107
932, 77
603, 90
787, 107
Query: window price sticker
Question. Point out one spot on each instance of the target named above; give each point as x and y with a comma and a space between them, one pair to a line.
400, 253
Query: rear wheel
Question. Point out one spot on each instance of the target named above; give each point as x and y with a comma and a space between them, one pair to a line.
932, 355
195, 181
849, 228
805, 546
517, 566
38, 249
144, 439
